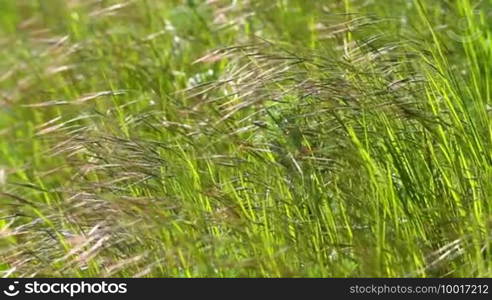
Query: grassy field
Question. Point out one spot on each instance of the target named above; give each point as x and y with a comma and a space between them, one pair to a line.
221, 138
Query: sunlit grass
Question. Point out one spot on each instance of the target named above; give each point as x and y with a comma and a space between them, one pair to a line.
245, 138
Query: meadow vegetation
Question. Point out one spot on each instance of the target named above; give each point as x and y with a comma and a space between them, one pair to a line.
225, 138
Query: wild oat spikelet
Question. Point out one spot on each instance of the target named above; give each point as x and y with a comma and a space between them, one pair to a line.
3, 176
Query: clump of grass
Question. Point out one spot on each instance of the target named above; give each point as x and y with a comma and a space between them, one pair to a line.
288, 139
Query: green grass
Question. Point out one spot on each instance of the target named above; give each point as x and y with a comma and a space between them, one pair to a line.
284, 138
